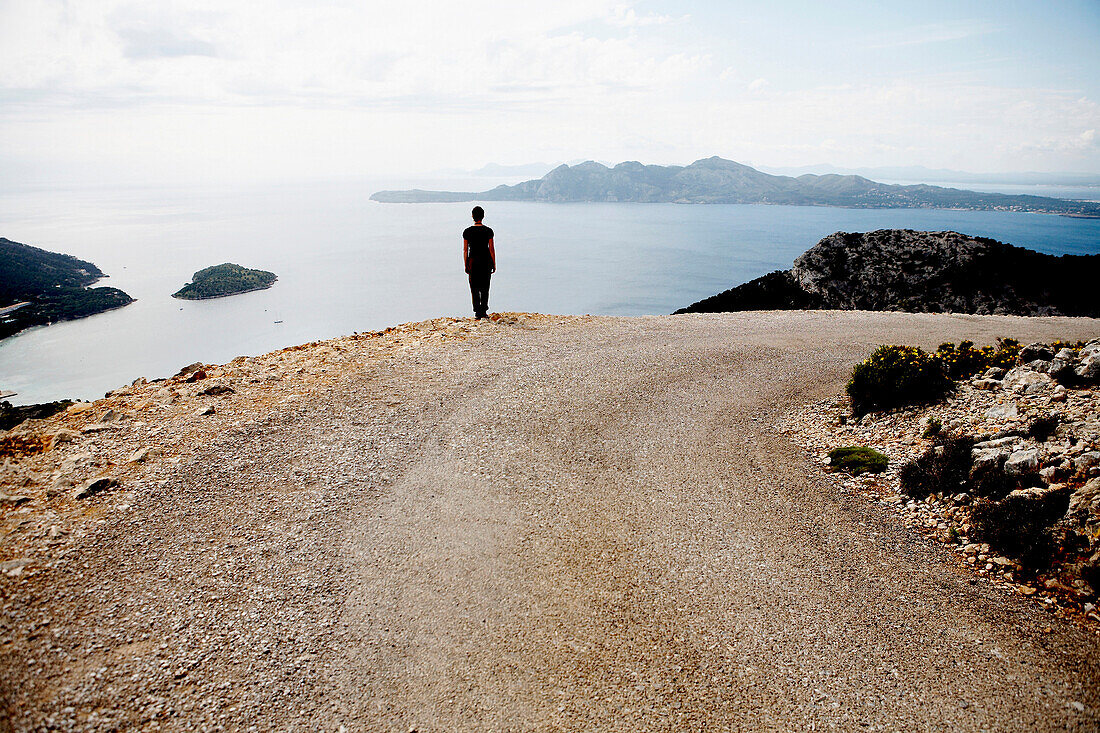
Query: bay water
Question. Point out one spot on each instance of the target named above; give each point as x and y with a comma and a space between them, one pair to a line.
347, 264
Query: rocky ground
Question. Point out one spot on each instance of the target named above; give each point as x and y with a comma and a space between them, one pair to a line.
134, 439
999, 408
530, 523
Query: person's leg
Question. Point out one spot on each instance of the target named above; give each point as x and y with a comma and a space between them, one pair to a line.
485, 293
475, 294
479, 291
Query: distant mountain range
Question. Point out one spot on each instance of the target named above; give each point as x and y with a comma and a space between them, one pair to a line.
495, 170
719, 181
920, 173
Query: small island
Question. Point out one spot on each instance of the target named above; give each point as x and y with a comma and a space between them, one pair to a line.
38, 287
222, 280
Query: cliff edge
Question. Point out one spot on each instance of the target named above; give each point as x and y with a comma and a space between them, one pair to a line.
921, 272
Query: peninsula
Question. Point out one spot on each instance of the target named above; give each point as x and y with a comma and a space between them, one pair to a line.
719, 181
925, 272
222, 280
38, 287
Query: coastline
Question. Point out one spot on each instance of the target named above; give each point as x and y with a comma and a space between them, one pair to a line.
90, 286
226, 295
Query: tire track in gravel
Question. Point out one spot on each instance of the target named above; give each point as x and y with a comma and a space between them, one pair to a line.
606, 538
583, 526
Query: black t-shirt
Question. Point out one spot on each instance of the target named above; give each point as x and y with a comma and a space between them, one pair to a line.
477, 239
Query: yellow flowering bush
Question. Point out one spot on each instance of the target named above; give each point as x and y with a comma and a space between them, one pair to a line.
1058, 344
894, 376
964, 360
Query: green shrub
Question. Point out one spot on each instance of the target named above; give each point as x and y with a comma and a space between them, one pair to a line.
992, 483
1043, 427
933, 428
894, 376
942, 469
1018, 525
857, 459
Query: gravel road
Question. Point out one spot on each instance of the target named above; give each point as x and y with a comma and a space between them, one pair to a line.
570, 524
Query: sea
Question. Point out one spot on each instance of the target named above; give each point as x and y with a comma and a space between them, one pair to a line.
347, 264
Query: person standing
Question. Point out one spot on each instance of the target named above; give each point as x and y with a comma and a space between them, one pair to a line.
481, 261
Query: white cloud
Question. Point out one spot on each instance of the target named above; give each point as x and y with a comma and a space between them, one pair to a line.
625, 16
946, 123
191, 82
933, 33
290, 86
337, 53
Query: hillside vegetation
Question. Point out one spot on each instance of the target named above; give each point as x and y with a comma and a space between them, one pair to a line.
53, 286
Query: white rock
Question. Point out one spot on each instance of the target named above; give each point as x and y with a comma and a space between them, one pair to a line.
140, 455
64, 435
14, 568
1086, 498
1003, 411
997, 442
1022, 461
987, 459
1086, 460
1031, 381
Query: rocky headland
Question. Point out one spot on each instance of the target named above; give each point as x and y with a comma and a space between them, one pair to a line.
922, 272
716, 180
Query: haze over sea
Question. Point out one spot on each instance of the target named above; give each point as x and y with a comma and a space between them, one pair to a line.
346, 264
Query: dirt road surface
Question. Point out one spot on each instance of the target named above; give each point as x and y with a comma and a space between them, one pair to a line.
581, 524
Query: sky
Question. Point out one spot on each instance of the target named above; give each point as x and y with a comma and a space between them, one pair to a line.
221, 90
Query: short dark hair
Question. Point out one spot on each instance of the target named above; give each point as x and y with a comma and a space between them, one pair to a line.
479, 213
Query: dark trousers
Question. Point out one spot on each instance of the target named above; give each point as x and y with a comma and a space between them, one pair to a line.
479, 291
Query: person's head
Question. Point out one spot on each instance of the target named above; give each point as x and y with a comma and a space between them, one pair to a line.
478, 213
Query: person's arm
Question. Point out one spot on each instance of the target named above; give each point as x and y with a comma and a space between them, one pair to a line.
492, 256
466, 255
